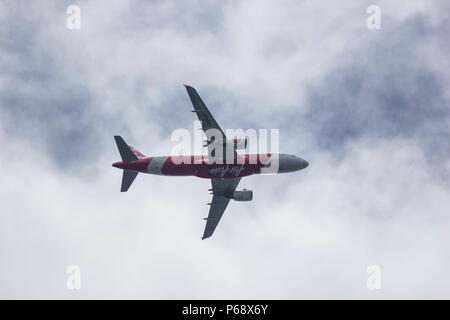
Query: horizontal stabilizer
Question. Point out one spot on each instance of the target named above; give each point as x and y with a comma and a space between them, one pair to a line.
127, 179
125, 152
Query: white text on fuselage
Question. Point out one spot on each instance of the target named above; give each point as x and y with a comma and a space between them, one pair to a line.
222, 171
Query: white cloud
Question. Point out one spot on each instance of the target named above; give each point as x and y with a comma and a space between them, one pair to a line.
310, 234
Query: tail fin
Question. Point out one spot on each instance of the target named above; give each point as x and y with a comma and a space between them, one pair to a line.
137, 153
128, 177
125, 151
127, 155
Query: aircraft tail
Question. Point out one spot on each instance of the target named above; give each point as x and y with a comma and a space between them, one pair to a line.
125, 152
128, 177
137, 153
128, 155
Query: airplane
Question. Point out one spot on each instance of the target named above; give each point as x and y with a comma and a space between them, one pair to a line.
223, 167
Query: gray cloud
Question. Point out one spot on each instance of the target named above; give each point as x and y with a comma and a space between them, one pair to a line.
384, 89
369, 110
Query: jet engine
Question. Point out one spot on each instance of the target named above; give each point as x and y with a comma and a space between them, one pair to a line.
244, 195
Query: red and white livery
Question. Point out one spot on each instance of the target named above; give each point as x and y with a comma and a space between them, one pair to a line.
223, 167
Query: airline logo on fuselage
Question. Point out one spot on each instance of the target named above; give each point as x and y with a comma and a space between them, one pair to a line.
222, 171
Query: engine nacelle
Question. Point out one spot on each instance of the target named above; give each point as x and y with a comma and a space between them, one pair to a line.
244, 195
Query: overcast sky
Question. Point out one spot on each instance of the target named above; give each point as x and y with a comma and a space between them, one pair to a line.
369, 110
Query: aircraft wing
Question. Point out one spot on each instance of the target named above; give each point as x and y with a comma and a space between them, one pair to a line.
208, 122
220, 188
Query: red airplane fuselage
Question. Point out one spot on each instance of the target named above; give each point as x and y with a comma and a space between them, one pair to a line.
197, 166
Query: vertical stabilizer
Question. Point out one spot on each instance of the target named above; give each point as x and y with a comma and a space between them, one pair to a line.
125, 152
127, 155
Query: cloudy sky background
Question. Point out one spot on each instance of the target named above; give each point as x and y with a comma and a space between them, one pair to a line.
368, 109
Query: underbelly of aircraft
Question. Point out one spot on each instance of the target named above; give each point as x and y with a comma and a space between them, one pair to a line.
169, 166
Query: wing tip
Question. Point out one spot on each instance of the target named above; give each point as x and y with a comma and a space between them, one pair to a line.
206, 236
187, 86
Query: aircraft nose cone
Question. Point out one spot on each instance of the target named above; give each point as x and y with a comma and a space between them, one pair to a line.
300, 163
304, 164
289, 163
